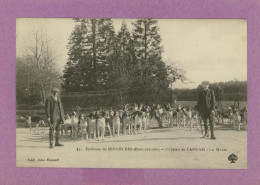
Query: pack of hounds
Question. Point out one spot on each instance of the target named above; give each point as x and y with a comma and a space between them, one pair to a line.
136, 119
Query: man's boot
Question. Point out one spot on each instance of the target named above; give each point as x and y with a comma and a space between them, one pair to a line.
57, 142
51, 140
205, 129
206, 134
212, 134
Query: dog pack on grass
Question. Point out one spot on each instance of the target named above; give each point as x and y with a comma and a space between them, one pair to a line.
136, 119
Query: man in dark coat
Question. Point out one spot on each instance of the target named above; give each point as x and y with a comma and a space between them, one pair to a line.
206, 105
55, 116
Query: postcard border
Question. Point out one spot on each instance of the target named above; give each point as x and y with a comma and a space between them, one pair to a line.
178, 9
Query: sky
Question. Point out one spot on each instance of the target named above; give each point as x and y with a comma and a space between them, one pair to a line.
207, 49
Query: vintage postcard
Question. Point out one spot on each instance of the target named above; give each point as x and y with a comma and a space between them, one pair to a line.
131, 93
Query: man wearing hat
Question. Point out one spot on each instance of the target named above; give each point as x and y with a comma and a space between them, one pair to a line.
206, 105
55, 115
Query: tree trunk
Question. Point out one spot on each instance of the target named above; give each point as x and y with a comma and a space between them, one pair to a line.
145, 42
93, 21
121, 99
28, 84
43, 95
145, 49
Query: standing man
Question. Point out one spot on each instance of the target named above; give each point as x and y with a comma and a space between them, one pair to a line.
55, 116
206, 105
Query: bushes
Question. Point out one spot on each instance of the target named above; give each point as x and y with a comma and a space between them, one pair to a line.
87, 101
28, 100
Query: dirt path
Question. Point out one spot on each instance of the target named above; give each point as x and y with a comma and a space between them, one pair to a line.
158, 148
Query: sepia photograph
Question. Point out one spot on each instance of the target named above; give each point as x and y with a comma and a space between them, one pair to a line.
131, 93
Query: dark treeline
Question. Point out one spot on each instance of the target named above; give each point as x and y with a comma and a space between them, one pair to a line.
128, 64
231, 91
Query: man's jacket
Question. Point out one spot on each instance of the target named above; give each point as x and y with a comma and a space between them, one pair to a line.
49, 108
206, 101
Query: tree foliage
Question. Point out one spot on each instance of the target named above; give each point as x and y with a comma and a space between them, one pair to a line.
90, 50
128, 62
36, 70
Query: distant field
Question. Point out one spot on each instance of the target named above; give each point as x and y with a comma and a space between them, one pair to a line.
225, 104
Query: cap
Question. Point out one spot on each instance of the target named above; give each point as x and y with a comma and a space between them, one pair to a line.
55, 89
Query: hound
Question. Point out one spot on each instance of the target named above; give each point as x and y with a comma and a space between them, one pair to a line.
116, 122
37, 120
236, 120
74, 124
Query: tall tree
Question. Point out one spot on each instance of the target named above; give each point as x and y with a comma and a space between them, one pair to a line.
105, 50
79, 66
43, 54
121, 65
148, 51
89, 52
36, 72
